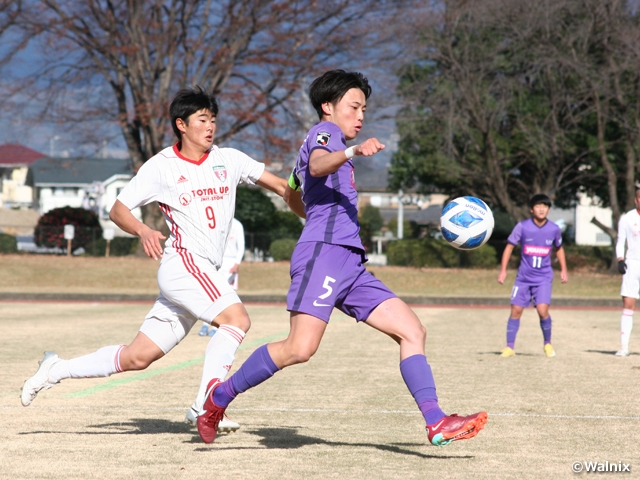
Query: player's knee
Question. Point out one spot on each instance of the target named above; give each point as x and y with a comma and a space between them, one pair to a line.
420, 334
135, 362
300, 355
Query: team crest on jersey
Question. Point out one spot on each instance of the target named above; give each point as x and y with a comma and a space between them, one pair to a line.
322, 138
221, 172
185, 199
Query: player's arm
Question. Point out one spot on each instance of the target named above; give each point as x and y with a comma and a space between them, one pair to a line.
506, 255
294, 200
622, 237
280, 186
123, 218
322, 163
271, 182
562, 259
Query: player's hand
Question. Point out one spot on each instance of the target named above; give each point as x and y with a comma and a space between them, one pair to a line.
564, 277
622, 267
502, 276
369, 147
151, 243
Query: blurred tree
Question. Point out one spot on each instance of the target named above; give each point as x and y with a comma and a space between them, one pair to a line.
13, 40
510, 99
370, 223
122, 60
49, 231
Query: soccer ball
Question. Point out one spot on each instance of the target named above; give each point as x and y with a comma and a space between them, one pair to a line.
466, 223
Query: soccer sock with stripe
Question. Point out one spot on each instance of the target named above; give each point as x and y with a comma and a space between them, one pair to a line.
513, 325
218, 358
255, 370
545, 325
626, 325
101, 363
417, 375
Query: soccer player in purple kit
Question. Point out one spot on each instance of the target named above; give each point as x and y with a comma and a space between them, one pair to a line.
537, 236
327, 269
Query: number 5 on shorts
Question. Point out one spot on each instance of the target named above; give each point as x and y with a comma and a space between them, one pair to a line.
329, 291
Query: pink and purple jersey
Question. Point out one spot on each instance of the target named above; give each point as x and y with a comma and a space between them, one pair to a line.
331, 202
536, 244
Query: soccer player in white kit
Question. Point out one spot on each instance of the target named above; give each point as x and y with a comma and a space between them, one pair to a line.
233, 253
629, 232
194, 183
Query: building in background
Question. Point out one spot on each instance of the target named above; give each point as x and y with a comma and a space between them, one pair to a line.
16, 180
91, 183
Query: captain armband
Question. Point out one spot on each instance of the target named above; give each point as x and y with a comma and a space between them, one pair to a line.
293, 182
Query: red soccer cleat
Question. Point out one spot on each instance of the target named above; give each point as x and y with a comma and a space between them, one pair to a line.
211, 415
454, 427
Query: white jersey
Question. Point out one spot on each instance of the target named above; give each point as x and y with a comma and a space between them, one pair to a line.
629, 231
197, 198
235, 245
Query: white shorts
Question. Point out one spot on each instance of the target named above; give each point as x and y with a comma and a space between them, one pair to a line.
191, 289
631, 280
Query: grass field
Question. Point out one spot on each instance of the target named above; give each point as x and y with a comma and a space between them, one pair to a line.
346, 414
59, 274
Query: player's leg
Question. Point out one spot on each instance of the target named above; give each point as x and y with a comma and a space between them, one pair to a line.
106, 361
300, 345
399, 322
520, 298
629, 293
626, 325
222, 348
542, 299
197, 287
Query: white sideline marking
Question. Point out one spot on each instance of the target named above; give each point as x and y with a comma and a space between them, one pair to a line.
327, 410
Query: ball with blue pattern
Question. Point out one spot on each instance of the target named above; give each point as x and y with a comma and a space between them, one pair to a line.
466, 223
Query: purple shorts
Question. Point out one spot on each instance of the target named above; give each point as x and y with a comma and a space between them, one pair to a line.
324, 276
523, 293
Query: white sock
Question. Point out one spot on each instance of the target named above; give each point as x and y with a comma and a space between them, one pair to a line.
626, 325
102, 363
218, 358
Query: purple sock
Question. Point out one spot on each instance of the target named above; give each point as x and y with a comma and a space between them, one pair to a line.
416, 373
545, 325
512, 330
255, 370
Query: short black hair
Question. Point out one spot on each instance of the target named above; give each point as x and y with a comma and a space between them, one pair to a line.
189, 101
540, 198
332, 85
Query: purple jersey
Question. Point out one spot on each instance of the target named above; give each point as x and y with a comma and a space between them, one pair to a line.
331, 202
536, 244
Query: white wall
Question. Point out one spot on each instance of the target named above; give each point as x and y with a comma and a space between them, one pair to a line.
586, 232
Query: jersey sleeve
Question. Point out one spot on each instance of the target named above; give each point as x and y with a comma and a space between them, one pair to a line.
143, 189
516, 234
247, 169
557, 241
327, 136
622, 237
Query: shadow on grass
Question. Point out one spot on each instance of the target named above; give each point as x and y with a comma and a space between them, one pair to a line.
289, 438
609, 352
135, 426
272, 438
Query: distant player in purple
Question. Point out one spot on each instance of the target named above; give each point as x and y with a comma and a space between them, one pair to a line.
537, 236
327, 269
